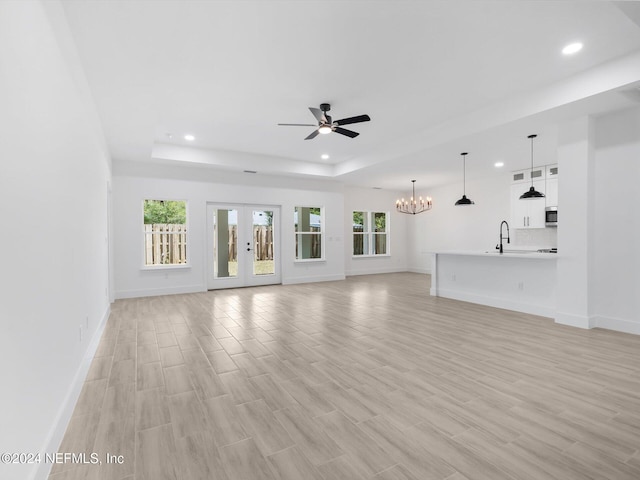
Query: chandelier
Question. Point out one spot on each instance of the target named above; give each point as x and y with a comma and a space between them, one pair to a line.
414, 205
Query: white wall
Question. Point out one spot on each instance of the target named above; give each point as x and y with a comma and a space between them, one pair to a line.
368, 199
576, 204
133, 184
447, 227
54, 172
616, 240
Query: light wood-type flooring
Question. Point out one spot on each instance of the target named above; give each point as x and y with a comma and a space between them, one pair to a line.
367, 378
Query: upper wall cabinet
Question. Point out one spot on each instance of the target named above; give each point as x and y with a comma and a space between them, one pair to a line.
525, 176
527, 213
551, 186
530, 213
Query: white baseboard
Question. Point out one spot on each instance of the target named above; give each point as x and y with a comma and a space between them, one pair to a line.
56, 434
312, 279
617, 324
374, 271
419, 270
533, 309
154, 292
579, 321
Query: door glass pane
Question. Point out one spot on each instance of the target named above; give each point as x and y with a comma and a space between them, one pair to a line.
225, 243
263, 243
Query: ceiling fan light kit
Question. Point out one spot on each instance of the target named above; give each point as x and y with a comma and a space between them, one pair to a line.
414, 205
532, 193
327, 125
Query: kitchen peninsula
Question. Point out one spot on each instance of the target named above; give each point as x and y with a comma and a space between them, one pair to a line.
519, 280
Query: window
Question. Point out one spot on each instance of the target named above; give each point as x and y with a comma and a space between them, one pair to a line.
165, 232
308, 228
370, 233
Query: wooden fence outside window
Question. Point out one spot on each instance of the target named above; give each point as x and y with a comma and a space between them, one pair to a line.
166, 244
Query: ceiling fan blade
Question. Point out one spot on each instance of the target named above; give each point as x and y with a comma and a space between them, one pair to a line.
297, 124
313, 134
319, 114
358, 119
344, 131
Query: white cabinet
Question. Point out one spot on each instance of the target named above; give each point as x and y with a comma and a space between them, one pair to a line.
527, 213
525, 176
531, 213
551, 186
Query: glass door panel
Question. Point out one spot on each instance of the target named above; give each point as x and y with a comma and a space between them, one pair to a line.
243, 248
225, 243
263, 258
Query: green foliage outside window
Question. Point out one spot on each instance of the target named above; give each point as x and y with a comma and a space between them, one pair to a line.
165, 211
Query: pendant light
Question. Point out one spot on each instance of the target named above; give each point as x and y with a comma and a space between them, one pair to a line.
532, 193
464, 200
414, 205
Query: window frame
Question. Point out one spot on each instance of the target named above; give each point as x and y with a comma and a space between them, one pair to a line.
321, 233
173, 266
369, 234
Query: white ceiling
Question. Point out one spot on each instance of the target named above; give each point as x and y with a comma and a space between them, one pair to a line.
436, 77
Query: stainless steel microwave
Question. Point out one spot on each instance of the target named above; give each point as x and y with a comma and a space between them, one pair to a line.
551, 216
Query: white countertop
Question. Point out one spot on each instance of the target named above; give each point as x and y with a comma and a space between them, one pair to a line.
508, 253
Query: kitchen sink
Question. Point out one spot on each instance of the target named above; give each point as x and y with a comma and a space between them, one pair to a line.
506, 252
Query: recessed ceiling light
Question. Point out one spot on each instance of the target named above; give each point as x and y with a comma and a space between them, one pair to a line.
324, 156
498, 164
189, 138
572, 48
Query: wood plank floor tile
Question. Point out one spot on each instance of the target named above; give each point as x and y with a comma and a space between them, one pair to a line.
177, 380
274, 395
221, 362
259, 422
343, 468
152, 409
239, 387
199, 458
187, 414
243, 460
119, 402
207, 383
223, 421
171, 356
152, 459
352, 439
291, 464
148, 354
397, 472
406, 449
150, 376
308, 435
366, 378
249, 364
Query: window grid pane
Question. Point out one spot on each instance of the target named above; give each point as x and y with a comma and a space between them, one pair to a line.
370, 233
165, 232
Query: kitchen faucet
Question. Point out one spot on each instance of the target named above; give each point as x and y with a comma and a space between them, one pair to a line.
499, 246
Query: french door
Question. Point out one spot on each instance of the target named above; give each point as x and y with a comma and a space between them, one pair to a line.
243, 245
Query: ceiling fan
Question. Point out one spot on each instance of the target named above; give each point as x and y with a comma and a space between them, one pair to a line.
327, 125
